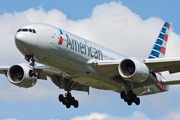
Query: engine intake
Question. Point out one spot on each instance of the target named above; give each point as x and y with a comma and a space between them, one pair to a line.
19, 76
133, 70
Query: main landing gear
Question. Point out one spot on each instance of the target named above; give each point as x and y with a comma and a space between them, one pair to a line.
68, 100
130, 97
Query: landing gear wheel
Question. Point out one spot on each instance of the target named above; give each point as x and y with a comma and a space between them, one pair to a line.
123, 95
68, 100
125, 99
68, 105
76, 104
129, 102
64, 102
33, 59
61, 98
32, 73
72, 99
134, 97
137, 102
130, 97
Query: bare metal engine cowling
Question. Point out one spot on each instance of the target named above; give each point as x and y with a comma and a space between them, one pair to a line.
19, 76
133, 70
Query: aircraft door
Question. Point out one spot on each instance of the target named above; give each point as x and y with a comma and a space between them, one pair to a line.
52, 37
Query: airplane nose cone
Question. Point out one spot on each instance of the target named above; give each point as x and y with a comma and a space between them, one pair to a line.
23, 43
18, 38
23, 39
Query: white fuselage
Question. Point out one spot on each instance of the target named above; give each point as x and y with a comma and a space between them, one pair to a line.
70, 54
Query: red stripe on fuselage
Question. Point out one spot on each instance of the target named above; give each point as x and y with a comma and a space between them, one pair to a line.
159, 85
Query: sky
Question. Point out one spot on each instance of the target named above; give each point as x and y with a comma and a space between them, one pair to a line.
127, 27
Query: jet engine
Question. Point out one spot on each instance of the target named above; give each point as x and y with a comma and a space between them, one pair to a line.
19, 76
133, 70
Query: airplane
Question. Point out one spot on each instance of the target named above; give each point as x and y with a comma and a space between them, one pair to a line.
74, 63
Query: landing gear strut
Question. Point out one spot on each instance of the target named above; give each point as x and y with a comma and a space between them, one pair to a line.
32, 58
130, 97
33, 71
68, 100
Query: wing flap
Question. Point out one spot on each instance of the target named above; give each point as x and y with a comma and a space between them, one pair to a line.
108, 68
164, 64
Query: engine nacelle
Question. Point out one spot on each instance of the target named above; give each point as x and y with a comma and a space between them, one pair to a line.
133, 70
19, 76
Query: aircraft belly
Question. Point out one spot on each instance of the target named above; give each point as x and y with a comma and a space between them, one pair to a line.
147, 90
98, 82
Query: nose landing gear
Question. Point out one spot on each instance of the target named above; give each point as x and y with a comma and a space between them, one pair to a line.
32, 58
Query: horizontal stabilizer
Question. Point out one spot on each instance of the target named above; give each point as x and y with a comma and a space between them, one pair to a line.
174, 82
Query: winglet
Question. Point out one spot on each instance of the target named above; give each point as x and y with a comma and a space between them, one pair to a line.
159, 48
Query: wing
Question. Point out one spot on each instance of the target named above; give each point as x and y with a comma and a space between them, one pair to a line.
109, 68
4, 69
164, 64
55, 75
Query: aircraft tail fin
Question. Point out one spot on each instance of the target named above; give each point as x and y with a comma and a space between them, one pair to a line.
159, 48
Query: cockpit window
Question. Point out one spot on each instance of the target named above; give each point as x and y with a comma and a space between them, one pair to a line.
30, 30
27, 30
24, 30
34, 31
19, 30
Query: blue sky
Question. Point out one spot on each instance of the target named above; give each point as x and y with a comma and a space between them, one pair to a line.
78, 9
40, 102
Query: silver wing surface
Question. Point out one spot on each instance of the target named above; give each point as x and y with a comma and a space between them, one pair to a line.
109, 68
56, 76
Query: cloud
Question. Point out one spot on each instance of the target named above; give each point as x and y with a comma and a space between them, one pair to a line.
100, 116
93, 116
112, 25
137, 115
10, 119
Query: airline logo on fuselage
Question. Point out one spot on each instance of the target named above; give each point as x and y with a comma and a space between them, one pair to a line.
81, 47
84, 48
60, 38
